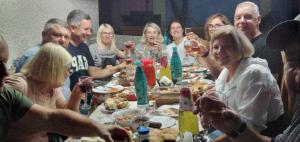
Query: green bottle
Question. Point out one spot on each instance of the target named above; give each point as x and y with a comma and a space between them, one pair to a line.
176, 67
140, 83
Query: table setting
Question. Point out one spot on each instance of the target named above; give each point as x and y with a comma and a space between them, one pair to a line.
116, 104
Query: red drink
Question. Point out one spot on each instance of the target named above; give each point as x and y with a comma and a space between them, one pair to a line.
149, 71
128, 61
128, 46
196, 49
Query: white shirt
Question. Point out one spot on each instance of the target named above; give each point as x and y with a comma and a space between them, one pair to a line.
185, 60
252, 92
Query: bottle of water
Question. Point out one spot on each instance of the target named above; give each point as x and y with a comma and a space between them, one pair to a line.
176, 67
140, 83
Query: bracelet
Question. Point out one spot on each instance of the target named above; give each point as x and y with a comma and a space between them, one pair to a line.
205, 54
239, 131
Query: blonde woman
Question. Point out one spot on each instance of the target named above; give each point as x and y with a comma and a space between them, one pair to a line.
246, 84
150, 45
105, 53
40, 80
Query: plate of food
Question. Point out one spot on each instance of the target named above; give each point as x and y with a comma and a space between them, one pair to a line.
166, 121
169, 110
111, 105
108, 89
125, 117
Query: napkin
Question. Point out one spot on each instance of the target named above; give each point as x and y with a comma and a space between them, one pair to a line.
165, 81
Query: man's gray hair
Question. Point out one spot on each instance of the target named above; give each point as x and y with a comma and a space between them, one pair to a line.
74, 17
255, 7
54, 21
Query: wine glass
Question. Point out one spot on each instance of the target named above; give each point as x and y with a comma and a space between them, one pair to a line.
187, 30
85, 88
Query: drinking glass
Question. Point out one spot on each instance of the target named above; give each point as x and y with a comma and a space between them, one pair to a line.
187, 30
85, 88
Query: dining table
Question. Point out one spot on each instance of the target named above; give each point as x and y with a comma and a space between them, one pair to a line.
154, 111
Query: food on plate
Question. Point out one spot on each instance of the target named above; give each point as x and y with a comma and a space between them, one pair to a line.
171, 111
115, 103
131, 97
154, 124
91, 139
138, 121
125, 117
168, 134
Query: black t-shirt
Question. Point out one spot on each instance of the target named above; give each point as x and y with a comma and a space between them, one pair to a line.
272, 56
13, 106
81, 60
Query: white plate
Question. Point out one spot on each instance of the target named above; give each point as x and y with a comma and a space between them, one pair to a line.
163, 110
166, 121
104, 119
107, 88
116, 74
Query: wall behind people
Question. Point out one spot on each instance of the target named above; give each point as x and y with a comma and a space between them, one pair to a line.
22, 21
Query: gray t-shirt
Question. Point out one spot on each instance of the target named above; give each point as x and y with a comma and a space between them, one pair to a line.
292, 133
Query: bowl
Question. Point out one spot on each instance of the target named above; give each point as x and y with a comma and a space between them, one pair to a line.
125, 117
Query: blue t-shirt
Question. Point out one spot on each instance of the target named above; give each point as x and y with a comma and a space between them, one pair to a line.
81, 60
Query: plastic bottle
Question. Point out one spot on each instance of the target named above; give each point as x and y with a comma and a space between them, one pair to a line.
143, 134
141, 88
149, 72
188, 122
166, 38
176, 67
165, 69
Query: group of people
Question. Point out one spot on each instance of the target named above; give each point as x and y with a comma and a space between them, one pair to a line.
244, 102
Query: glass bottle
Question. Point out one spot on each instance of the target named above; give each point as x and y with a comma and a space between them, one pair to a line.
176, 67
165, 69
188, 122
141, 88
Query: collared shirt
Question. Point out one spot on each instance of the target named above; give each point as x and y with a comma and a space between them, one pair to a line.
185, 59
252, 92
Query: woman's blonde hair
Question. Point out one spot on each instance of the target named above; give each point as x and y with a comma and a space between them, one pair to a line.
101, 28
243, 47
154, 26
49, 65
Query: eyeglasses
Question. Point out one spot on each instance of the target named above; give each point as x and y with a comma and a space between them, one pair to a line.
107, 33
216, 26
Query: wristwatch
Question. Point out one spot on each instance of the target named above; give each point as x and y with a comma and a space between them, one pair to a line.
236, 133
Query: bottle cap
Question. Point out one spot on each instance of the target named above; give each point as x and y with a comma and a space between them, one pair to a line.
174, 48
143, 130
138, 63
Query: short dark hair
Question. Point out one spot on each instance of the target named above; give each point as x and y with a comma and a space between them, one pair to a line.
169, 27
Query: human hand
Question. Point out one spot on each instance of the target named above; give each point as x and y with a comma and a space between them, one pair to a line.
191, 36
216, 113
122, 65
198, 48
113, 133
78, 88
129, 45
